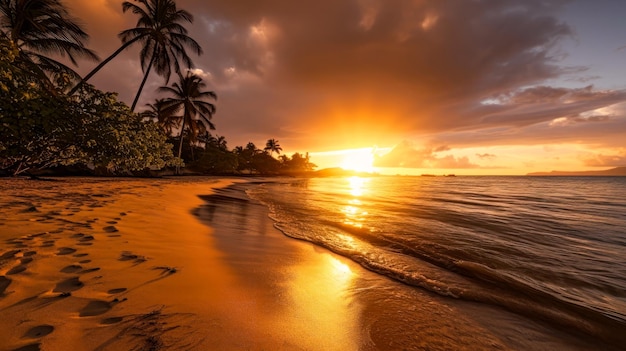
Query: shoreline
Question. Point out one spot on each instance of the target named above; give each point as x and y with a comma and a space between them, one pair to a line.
161, 264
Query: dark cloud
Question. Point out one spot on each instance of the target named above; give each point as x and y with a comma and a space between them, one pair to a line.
606, 133
351, 73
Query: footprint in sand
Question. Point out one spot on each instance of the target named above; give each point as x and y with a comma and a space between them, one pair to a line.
71, 269
39, 331
86, 240
17, 269
89, 270
84, 261
9, 254
95, 308
47, 243
18, 244
30, 347
110, 229
30, 253
30, 209
129, 256
4, 284
112, 222
65, 251
116, 291
26, 260
77, 235
81, 254
111, 320
68, 285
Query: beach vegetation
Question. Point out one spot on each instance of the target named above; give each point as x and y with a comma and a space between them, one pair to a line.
189, 95
41, 30
272, 146
164, 40
45, 129
42, 128
298, 163
215, 160
164, 119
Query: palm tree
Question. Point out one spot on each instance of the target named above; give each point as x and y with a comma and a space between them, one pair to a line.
188, 94
163, 37
164, 119
41, 28
220, 142
272, 146
250, 147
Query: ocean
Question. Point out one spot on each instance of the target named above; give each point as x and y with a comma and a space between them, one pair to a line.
547, 248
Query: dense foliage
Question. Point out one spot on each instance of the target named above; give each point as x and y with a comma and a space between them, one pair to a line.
214, 158
42, 30
42, 127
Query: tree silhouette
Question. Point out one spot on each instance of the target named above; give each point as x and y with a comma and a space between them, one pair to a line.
166, 121
272, 146
164, 40
40, 28
188, 94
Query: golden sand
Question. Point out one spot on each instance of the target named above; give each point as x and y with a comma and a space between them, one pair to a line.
124, 264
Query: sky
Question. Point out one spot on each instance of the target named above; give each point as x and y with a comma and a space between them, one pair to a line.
412, 86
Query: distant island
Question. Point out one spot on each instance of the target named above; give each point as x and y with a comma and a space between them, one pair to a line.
617, 171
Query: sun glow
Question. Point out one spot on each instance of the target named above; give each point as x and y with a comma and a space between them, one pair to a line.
360, 160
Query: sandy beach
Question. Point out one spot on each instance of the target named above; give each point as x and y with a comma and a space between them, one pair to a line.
145, 264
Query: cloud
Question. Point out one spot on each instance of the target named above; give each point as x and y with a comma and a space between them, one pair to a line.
486, 156
352, 73
601, 128
202, 74
407, 156
601, 160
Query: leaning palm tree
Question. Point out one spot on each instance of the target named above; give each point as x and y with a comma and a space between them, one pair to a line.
44, 28
272, 146
164, 119
189, 95
164, 40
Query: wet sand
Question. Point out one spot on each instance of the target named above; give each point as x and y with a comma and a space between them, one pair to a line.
114, 264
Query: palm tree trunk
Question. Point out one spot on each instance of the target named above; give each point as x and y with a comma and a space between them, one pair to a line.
99, 66
143, 82
180, 144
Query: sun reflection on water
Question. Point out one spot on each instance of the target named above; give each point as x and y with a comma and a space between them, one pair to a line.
353, 211
357, 185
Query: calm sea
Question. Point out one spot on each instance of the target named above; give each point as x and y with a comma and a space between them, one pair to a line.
550, 248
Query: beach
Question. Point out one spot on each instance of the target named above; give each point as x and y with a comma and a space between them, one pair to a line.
193, 264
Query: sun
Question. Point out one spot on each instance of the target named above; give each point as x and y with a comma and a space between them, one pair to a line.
360, 160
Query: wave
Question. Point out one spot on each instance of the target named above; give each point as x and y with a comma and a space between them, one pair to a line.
449, 271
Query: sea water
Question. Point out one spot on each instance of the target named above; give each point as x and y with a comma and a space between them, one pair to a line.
548, 248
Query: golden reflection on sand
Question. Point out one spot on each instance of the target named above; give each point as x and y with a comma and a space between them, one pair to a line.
323, 304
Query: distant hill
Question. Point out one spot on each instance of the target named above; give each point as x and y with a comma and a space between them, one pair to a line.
617, 171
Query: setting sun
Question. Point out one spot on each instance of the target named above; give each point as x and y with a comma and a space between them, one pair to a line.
360, 160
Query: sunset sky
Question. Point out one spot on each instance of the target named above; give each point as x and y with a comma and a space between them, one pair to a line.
464, 87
